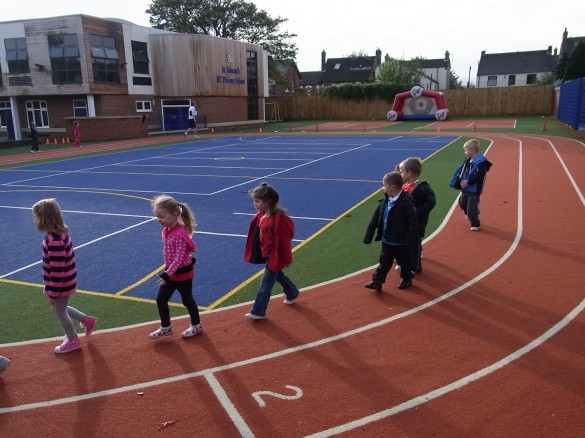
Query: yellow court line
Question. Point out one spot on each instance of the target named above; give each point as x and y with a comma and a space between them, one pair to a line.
139, 282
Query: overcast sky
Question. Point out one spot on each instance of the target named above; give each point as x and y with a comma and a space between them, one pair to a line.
402, 29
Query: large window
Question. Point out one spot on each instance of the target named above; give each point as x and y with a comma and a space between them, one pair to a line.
36, 111
64, 54
492, 81
4, 113
531, 79
16, 55
80, 108
140, 57
105, 59
511, 79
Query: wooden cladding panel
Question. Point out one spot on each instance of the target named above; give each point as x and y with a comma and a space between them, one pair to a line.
202, 65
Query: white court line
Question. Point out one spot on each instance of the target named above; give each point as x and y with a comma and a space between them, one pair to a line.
82, 245
292, 350
97, 189
291, 168
293, 217
86, 212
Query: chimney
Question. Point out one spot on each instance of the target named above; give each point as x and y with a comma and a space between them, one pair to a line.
323, 60
549, 50
555, 51
482, 52
378, 57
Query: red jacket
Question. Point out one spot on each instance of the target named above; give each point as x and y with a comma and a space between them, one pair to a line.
279, 241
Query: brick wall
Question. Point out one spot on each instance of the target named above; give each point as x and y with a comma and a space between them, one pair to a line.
108, 128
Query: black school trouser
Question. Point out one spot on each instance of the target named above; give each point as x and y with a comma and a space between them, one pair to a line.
389, 253
165, 293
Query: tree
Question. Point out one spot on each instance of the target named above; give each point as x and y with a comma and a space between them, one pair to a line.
454, 81
575, 67
404, 74
235, 19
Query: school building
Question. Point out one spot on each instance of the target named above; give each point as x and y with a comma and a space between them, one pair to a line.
121, 80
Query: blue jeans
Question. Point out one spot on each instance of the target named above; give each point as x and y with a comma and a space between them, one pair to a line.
268, 280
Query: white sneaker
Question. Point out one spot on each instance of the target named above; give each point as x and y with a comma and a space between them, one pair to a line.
195, 136
160, 332
4, 362
474, 228
292, 300
185, 135
250, 315
192, 331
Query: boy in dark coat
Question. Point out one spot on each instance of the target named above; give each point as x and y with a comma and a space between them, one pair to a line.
34, 135
424, 201
395, 220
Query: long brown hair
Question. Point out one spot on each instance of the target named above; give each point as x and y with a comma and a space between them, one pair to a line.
48, 216
269, 195
171, 205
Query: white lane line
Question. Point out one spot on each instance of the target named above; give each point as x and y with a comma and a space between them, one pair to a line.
82, 245
86, 212
229, 407
425, 398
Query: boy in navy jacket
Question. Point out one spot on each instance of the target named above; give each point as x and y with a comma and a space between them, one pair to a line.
396, 222
470, 178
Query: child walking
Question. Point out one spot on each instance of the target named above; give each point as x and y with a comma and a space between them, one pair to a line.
34, 135
76, 134
178, 225
60, 272
395, 220
424, 201
470, 178
269, 242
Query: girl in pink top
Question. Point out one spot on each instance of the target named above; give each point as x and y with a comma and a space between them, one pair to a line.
60, 272
76, 134
178, 223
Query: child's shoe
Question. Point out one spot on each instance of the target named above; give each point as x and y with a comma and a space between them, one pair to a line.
4, 362
375, 285
161, 331
192, 331
88, 323
251, 315
68, 345
291, 300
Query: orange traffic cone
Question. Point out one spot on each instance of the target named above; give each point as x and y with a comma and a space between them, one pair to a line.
47, 140
62, 140
212, 130
438, 129
260, 130
68, 140
55, 140
543, 124
474, 128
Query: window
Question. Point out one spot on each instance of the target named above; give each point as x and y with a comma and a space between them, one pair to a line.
337, 66
80, 108
531, 79
140, 57
143, 106
16, 55
105, 59
4, 113
36, 111
64, 54
492, 81
511, 79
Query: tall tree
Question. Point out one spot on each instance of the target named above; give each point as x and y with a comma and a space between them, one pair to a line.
234, 19
575, 66
399, 72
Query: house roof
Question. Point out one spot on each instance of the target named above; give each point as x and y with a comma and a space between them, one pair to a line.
340, 70
536, 61
569, 44
433, 63
310, 78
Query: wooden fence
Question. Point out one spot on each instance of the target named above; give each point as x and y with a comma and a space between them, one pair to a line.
535, 100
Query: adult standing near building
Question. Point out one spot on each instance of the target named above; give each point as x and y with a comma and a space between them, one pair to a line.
192, 121
34, 135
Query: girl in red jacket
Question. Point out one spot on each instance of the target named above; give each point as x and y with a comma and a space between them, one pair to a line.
178, 222
269, 242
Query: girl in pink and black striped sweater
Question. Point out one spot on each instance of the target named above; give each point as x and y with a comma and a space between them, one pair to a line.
60, 272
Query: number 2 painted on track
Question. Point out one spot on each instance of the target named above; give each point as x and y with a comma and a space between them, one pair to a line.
258, 395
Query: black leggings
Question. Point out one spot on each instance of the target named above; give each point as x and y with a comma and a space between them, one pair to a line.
165, 293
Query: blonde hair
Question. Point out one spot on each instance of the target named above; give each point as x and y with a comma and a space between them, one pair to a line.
473, 144
48, 217
173, 206
412, 164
